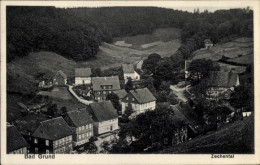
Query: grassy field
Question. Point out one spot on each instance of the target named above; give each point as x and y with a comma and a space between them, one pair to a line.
62, 97
233, 138
161, 34
239, 51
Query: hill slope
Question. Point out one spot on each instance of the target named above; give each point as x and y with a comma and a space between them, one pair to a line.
233, 138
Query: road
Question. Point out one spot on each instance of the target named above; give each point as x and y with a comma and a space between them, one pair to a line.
179, 92
87, 102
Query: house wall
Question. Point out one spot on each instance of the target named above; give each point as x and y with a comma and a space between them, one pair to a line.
101, 95
134, 76
19, 151
105, 126
139, 108
82, 80
139, 64
82, 134
45, 146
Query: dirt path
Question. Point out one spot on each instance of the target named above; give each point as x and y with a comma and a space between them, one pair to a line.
179, 92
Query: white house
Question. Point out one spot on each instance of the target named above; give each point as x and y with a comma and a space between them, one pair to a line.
105, 117
140, 100
82, 76
129, 71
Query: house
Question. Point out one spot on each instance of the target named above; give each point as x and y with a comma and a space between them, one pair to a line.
187, 65
60, 78
187, 120
102, 86
105, 117
246, 114
16, 144
82, 76
120, 93
208, 43
52, 136
129, 71
221, 84
140, 100
139, 64
82, 125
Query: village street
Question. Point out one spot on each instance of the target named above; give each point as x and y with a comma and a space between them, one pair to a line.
87, 102
179, 92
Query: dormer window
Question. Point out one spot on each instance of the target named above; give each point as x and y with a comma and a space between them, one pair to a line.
126, 98
133, 99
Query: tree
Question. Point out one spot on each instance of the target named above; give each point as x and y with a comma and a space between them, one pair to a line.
105, 146
129, 85
115, 101
63, 110
173, 99
242, 97
150, 63
200, 69
148, 83
128, 110
164, 71
96, 72
91, 146
52, 110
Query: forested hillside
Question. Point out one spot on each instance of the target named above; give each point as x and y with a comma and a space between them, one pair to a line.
76, 33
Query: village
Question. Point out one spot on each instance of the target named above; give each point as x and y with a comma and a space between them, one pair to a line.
129, 80
110, 102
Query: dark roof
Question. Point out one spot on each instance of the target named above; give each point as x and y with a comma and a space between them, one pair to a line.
60, 72
120, 93
79, 117
142, 95
53, 129
82, 72
128, 68
103, 111
187, 64
14, 139
223, 79
185, 114
97, 82
207, 41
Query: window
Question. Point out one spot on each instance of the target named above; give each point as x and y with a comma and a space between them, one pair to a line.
104, 92
109, 91
89, 125
36, 150
79, 128
47, 142
133, 99
83, 127
89, 133
126, 98
79, 136
83, 135
35, 140
47, 152
98, 93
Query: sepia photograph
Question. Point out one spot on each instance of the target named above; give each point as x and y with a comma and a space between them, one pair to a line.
128, 79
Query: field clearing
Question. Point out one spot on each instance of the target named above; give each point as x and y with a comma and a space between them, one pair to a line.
161, 34
206, 54
237, 137
145, 46
62, 97
234, 53
228, 67
247, 59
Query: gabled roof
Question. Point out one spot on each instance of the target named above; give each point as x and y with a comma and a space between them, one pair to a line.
120, 93
82, 72
103, 111
53, 129
128, 68
207, 41
78, 117
223, 79
142, 95
14, 139
97, 82
185, 114
60, 72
